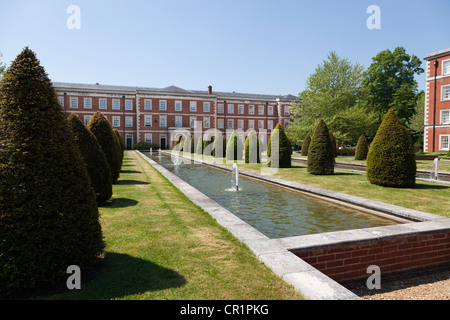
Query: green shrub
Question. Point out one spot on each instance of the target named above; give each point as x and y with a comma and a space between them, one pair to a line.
48, 211
104, 133
199, 149
362, 148
278, 142
206, 143
252, 148
94, 158
391, 160
145, 146
187, 143
333, 144
305, 145
321, 159
120, 146
219, 146
235, 147
192, 145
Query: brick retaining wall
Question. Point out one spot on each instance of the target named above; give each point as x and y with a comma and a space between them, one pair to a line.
350, 262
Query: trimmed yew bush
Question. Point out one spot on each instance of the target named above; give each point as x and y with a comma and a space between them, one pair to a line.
391, 161
321, 157
219, 146
333, 144
235, 147
48, 211
199, 149
362, 148
104, 133
252, 148
120, 146
305, 145
279, 142
186, 144
94, 159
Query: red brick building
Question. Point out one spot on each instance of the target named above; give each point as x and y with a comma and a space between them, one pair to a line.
154, 114
437, 102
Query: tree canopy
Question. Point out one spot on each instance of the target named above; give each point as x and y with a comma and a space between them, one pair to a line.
390, 83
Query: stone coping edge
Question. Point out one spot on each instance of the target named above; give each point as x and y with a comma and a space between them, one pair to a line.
307, 280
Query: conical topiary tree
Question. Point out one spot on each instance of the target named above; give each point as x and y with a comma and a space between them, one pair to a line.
279, 143
219, 146
391, 160
235, 147
121, 145
321, 158
94, 159
199, 149
186, 144
48, 212
252, 148
333, 144
305, 145
362, 148
104, 133
192, 145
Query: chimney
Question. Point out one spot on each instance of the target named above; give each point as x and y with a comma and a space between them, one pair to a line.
209, 89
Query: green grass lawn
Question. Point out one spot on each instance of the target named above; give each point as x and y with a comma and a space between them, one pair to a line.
159, 245
444, 164
426, 196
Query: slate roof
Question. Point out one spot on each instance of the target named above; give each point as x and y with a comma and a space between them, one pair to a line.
169, 89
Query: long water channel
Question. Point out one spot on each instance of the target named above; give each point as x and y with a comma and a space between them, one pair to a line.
275, 212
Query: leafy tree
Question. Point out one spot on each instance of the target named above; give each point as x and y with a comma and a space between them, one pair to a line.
48, 211
349, 124
391, 160
305, 145
235, 147
279, 142
104, 133
321, 159
390, 83
362, 148
330, 90
417, 121
252, 148
2, 66
94, 158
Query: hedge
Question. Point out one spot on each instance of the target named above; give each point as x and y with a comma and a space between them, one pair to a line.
391, 161
48, 211
94, 158
321, 159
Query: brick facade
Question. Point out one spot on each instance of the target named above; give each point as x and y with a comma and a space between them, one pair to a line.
150, 114
399, 254
437, 124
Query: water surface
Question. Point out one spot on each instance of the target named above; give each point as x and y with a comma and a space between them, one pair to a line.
275, 212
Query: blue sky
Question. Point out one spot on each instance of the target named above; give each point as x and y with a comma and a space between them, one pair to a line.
251, 46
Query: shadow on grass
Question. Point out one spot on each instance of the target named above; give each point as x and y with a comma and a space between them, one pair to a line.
119, 203
130, 171
131, 182
432, 186
118, 275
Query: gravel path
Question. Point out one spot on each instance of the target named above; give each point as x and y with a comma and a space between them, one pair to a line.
429, 286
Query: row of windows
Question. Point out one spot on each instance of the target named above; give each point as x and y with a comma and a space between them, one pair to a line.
74, 104
115, 121
206, 123
102, 104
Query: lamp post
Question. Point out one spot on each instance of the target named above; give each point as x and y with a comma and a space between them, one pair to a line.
436, 64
